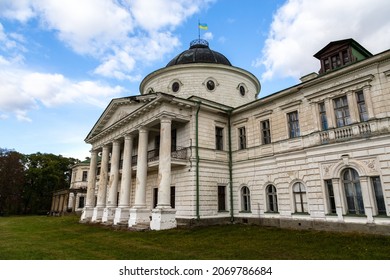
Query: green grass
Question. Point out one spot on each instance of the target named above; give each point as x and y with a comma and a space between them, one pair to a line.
63, 238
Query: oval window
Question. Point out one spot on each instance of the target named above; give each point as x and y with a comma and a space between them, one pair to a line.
242, 90
175, 87
210, 85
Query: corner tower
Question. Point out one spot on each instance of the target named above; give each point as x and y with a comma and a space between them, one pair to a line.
203, 72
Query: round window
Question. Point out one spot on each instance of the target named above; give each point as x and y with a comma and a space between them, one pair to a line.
210, 85
175, 87
242, 90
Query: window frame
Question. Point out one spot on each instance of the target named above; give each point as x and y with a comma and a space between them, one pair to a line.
265, 132
219, 139
242, 138
323, 117
330, 197
221, 198
245, 199
272, 198
342, 113
362, 106
352, 192
300, 198
293, 124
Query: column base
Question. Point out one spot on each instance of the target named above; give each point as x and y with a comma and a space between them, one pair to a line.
108, 214
122, 215
163, 219
87, 214
97, 215
139, 216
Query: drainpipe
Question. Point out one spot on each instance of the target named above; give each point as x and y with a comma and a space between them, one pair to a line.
197, 159
230, 167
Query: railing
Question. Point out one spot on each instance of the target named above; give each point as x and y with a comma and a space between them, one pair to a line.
154, 155
345, 133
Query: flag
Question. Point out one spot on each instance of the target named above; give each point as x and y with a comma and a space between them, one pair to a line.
203, 26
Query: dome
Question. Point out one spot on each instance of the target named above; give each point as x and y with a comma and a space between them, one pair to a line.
199, 52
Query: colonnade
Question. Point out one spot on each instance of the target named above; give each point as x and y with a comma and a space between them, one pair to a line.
109, 208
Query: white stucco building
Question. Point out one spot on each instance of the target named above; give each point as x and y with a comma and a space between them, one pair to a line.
198, 145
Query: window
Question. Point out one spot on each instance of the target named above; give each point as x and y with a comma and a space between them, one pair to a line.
245, 200
175, 87
173, 140
345, 57
219, 138
272, 199
330, 194
242, 90
242, 138
221, 198
323, 119
265, 132
210, 85
173, 197
293, 124
81, 202
380, 202
300, 199
361, 106
85, 176
155, 197
341, 111
353, 192
336, 61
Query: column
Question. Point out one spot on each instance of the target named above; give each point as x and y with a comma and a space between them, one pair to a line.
139, 213
368, 101
90, 199
122, 213
367, 198
101, 195
112, 188
353, 111
164, 217
338, 198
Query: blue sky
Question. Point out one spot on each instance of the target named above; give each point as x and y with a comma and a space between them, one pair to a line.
61, 62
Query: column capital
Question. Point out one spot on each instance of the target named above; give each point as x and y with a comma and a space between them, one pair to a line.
143, 129
166, 118
128, 136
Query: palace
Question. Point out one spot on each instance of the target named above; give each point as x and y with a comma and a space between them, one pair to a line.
198, 146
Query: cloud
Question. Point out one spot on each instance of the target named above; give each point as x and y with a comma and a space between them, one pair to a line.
23, 91
208, 36
105, 29
300, 28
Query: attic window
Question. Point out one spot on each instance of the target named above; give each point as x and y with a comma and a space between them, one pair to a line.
175, 87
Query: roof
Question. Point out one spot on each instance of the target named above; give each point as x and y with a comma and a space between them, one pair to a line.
199, 52
349, 41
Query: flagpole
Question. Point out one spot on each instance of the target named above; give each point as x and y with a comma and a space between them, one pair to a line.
198, 30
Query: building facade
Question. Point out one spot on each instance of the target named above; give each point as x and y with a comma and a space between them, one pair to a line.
199, 146
72, 200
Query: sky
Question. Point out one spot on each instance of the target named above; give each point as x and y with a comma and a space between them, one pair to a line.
62, 62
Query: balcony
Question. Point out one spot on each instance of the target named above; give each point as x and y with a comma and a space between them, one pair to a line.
179, 155
359, 130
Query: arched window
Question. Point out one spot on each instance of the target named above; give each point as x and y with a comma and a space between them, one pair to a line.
245, 199
300, 199
353, 191
272, 199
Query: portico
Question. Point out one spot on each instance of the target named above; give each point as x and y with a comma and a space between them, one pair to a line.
119, 183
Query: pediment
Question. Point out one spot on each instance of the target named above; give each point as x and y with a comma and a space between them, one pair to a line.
117, 110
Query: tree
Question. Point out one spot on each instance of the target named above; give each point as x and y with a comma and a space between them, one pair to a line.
11, 181
45, 173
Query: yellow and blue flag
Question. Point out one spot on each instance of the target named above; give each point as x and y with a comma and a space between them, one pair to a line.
203, 26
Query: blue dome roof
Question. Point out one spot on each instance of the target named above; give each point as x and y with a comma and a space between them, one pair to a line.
199, 52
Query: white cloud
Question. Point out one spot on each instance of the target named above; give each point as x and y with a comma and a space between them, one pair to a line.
208, 36
300, 28
105, 29
23, 91
154, 15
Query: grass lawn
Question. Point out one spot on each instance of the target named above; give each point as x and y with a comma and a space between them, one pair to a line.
63, 238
